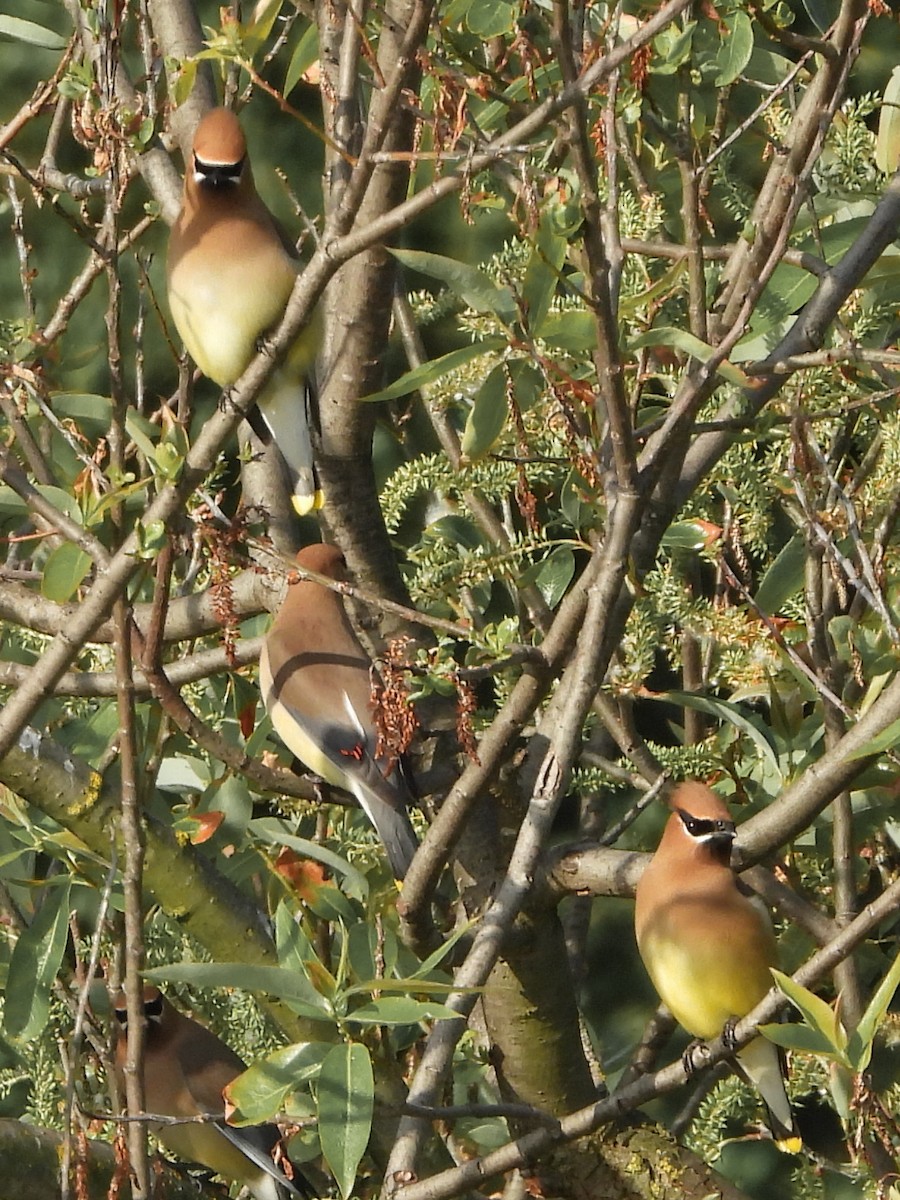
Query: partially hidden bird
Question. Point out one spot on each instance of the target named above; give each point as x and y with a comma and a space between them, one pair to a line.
230, 270
186, 1068
316, 683
707, 945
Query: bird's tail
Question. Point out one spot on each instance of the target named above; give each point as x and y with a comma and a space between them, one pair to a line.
286, 412
393, 826
762, 1065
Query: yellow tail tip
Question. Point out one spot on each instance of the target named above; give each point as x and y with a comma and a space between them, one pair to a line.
304, 505
790, 1145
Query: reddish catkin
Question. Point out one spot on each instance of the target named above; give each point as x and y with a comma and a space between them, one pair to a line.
395, 718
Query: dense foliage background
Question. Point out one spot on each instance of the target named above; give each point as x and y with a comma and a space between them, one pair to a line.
610, 438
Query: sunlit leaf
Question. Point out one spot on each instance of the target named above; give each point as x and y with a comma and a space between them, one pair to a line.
258, 1094
306, 52
400, 1010
859, 1047
436, 368
346, 1097
471, 285
820, 1016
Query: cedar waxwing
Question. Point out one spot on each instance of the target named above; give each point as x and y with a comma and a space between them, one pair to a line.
315, 679
706, 945
186, 1068
230, 272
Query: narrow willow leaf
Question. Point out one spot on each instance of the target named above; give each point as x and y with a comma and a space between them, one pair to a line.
305, 54
820, 1016
784, 578
800, 1038
472, 286
260, 1092
859, 1048
289, 986
30, 33
725, 711
400, 1010
436, 368
488, 414
346, 1096
33, 966
687, 343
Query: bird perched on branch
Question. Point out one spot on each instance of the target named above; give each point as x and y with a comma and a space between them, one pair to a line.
315, 679
186, 1068
230, 272
707, 945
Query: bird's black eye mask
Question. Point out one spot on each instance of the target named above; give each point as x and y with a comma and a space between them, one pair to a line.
706, 829
152, 1011
216, 175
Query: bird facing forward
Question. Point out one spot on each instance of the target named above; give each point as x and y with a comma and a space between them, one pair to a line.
706, 945
230, 271
186, 1069
315, 679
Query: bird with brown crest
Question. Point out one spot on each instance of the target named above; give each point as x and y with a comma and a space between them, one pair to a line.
316, 683
186, 1069
707, 945
230, 272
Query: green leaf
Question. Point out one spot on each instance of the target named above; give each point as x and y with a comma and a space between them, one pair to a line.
476, 289
737, 47
346, 1097
573, 330
555, 574
800, 1038
685, 535
34, 965
425, 987
365, 948
92, 413
289, 986
305, 54
491, 18
859, 1048
784, 578
673, 48
437, 956
543, 271
687, 343
64, 572
488, 414
142, 432
722, 710
436, 368
260, 1092
886, 740
401, 1010
33, 35
258, 29
820, 1016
